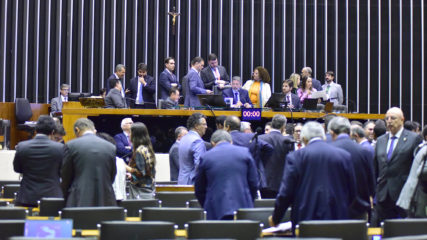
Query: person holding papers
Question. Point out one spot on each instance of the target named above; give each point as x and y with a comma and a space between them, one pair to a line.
306, 89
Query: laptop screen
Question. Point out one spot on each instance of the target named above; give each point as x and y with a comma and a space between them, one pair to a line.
49, 228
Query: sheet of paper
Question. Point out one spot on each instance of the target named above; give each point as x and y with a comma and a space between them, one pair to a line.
283, 227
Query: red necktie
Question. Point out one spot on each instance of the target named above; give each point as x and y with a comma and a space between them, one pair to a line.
299, 145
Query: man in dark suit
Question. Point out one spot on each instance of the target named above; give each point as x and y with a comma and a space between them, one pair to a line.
172, 101
174, 153
56, 103
167, 79
39, 160
89, 168
114, 98
291, 99
260, 150
119, 73
394, 153
318, 182
226, 178
214, 75
239, 95
123, 143
307, 72
142, 88
358, 135
339, 128
274, 165
195, 84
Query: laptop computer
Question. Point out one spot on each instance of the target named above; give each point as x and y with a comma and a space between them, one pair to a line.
310, 104
49, 228
212, 100
276, 101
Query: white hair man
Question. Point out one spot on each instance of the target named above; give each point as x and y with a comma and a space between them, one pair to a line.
123, 143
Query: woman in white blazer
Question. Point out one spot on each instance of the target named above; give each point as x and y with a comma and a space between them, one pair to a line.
259, 87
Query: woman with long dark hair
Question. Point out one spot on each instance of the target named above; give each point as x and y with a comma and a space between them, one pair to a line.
306, 89
142, 163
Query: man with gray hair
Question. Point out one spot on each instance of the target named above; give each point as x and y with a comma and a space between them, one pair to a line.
123, 143
174, 153
274, 165
226, 178
89, 168
119, 73
339, 128
307, 72
357, 133
318, 181
56, 103
239, 95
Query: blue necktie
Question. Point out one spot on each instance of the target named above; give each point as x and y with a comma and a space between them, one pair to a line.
140, 93
236, 98
390, 150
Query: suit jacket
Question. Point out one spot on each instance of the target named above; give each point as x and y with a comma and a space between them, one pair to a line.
88, 172
39, 160
367, 145
147, 90
226, 180
364, 172
121, 144
109, 79
295, 101
318, 182
56, 104
195, 86
191, 147
165, 80
335, 93
392, 174
274, 165
243, 95
209, 78
169, 104
316, 84
174, 161
260, 150
114, 99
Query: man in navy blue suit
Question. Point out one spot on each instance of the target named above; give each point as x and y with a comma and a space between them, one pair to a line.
319, 181
167, 79
307, 72
239, 95
142, 88
226, 178
123, 143
195, 84
292, 99
119, 73
358, 135
362, 159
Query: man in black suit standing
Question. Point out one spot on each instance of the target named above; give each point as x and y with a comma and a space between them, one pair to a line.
361, 158
167, 79
275, 165
307, 72
142, 88
39, 160
89, 168
119, 73
214, 75
394, 153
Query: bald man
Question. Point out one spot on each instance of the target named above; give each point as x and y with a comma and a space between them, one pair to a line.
393, 159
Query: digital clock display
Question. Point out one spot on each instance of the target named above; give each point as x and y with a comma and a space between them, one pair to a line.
251, 114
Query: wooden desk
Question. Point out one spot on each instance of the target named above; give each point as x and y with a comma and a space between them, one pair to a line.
73, 110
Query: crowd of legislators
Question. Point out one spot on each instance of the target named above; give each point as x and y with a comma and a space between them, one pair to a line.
212, 79
338, 170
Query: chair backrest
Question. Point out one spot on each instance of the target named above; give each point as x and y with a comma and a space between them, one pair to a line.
112, 230
345, 229
256, 214
175, 199
9, 190
51, 206
414, 237
179, 216
194, 203
9, 228
134, 205
89, 217
13, 213
264, 203
22, 110
3, 203
404, 227
239, 229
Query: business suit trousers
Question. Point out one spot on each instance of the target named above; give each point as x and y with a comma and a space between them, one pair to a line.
387, 209
268, 193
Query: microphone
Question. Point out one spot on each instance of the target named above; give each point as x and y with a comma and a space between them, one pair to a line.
258, 132
209, 107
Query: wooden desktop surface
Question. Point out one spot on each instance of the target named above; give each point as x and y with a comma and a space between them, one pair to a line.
73, 110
